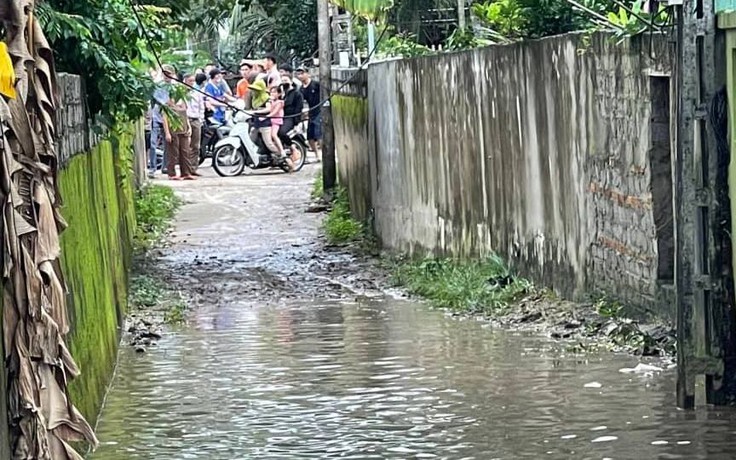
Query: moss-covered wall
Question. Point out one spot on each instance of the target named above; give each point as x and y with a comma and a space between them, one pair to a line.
350, 119
97, 192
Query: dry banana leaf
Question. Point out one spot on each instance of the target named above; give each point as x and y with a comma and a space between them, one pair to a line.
43, 421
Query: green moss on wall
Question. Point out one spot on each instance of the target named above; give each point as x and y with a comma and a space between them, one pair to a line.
97, 193
353, 110
351, 137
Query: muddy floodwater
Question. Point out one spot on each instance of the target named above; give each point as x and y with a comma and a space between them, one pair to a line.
388, 380
279, 361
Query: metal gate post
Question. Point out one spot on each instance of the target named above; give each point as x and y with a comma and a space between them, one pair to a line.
697, 287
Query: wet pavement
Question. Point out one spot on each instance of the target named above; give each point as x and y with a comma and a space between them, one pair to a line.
280, 361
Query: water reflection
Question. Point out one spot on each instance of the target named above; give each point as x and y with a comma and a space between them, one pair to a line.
388, 381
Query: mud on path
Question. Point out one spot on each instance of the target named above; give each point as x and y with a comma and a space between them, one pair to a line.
248, 239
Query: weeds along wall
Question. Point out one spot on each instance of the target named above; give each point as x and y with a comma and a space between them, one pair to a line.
553, 153
96, 187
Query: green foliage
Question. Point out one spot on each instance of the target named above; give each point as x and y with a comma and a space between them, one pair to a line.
608, 308
318, 189
287, 28
176, 312
155, 206
150, 293
339, 225
463, 39
401, 45
145, 291
102, 42
517, 19
507, 17
636, 22
476, 286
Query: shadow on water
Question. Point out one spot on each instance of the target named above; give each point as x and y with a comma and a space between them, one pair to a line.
388, 380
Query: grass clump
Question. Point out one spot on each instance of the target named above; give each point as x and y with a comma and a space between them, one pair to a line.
318, 189
155, 206
151, 294
473, 286
176, 312
146, 292
339, 225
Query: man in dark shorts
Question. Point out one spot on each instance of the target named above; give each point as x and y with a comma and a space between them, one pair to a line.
311, 92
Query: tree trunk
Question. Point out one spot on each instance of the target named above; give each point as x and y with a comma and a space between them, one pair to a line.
42, 421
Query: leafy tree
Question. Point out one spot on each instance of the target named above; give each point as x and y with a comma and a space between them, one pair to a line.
103, 42
287, 28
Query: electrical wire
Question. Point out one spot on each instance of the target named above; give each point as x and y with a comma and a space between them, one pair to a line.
136, 3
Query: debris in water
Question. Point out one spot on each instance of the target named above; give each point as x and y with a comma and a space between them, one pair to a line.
605, 439
592, 385
641, 368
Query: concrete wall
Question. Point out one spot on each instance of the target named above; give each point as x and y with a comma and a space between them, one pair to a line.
97, 183
539, 151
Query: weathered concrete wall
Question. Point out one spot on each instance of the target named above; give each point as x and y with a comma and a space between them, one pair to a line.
538, 151
350, 120
96, 184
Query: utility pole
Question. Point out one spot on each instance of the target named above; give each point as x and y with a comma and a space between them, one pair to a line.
461, 14
329, 167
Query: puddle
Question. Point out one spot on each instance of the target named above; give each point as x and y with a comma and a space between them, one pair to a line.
387, 380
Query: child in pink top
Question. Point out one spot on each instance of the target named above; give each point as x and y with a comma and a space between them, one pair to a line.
277, 114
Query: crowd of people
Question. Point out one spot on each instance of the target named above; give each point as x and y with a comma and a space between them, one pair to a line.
277, 96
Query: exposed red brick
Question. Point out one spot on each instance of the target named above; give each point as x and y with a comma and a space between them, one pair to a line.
623, 249
629, 201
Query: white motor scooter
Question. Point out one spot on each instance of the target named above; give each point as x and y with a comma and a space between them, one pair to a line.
237, 151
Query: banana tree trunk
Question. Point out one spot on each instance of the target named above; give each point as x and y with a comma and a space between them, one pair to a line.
42, 421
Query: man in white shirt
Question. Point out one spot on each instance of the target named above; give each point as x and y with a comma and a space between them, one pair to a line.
273, 77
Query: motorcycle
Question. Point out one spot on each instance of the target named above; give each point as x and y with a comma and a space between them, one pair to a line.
237, 152
212, 133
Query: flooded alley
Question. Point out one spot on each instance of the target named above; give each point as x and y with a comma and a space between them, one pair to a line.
292, 352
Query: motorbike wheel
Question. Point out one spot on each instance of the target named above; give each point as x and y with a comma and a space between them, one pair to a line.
299, 164
228, 161
202, 154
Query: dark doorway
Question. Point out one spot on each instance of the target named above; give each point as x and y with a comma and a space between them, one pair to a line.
660, 158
